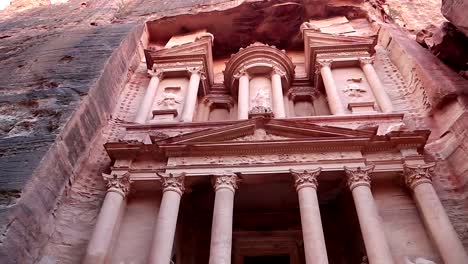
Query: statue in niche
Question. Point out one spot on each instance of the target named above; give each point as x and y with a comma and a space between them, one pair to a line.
353, 89
262, 98
170, 98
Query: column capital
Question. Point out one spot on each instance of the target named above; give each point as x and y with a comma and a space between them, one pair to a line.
156, 73
241, 72
197, 70
322, 63
417, 174
359, 176
172, 182
276, 70
227, 180
305, 178
366, 60
119, 183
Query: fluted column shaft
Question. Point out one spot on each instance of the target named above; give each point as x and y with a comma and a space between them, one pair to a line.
418, 178
376, 85
191, 95
164, 232
107, 222
243, 96
148, 99
334, 101
277, 92
221, 229
314, 241
377, 248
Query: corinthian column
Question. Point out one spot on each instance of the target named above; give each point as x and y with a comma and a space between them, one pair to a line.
312, 232
148, 99
243, 95
173, 188
334, 101
377, 248
106, 226
418, 178
277, 91
374, 82
221, 230
191, 96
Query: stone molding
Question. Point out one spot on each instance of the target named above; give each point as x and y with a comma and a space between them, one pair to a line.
227, 180
172, 182
359, 176
118, 183
366, 60
305, 178
418, 174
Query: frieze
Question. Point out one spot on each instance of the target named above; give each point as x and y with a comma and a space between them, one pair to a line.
261, 159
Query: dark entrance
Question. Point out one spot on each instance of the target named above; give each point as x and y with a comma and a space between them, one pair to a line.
283, 259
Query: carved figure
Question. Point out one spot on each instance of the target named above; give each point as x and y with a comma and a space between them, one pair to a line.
170, 100
262, 98
418, 261
354, 90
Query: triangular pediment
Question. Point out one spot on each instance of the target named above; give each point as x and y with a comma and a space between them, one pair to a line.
265, 129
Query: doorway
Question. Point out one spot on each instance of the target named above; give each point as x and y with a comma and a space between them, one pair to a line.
281, 259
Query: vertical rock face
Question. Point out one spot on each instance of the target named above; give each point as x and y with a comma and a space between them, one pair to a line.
62, 70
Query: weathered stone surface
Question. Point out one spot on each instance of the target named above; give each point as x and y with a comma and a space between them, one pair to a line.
455, 12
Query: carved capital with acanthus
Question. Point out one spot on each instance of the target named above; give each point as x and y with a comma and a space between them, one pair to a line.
119, 183
322, 63
305, 178
241, 72
360, 176
227, 180
418, 174
172, 182
276, 70
197, 70
366, 60
158, 73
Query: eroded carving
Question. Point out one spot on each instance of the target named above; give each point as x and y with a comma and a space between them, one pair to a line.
172, 182
354, 90
170, 98
418, 174
366, 60
119, 183
360, 176
305, 178
260, 134
262, 98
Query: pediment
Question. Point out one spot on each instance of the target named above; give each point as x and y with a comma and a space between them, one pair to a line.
266, 130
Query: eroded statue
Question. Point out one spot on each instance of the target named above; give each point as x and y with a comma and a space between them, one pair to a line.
170, 100
262, 98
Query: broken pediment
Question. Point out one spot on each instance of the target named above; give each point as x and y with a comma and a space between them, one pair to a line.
266, 129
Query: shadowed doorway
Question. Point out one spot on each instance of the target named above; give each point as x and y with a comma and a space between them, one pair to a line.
282, 259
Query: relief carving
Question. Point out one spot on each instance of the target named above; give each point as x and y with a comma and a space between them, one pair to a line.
366, 60
260, 134
262, 98
170, 98
118, 183
261, 159
353, 90
418, 174
360, 176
